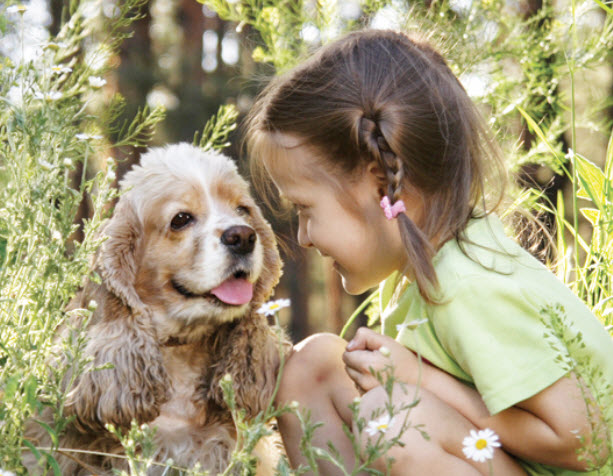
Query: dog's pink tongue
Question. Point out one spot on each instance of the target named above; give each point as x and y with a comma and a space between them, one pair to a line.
234, 291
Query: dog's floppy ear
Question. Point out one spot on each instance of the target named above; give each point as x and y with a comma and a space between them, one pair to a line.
120, 254
126, 378
250, 352
272, 261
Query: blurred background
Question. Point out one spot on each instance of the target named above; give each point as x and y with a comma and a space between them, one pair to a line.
184, 56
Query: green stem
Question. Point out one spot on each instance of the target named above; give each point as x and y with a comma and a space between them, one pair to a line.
357, 312
574, 177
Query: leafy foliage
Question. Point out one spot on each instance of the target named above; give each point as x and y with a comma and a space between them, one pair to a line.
51, 142
522, 66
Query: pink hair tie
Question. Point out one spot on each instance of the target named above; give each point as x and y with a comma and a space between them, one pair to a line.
392, 211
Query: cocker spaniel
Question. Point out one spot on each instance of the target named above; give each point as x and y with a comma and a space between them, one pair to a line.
187, 261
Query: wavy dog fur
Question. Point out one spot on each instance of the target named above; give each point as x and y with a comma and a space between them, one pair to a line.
170, 340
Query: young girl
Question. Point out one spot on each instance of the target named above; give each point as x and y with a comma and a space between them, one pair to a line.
382, 153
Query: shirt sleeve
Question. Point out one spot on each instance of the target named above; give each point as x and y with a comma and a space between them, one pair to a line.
493, 329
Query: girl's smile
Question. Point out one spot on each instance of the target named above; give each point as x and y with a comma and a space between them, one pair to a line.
340, 217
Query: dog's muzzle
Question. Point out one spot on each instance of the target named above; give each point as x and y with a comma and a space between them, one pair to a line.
239, 239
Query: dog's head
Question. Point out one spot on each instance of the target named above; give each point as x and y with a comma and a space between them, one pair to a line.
187, 243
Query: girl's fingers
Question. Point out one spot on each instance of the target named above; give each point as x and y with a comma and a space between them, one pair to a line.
366, 339
362, 361
363, 382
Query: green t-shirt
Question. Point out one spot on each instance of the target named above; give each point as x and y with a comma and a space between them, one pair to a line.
488, 328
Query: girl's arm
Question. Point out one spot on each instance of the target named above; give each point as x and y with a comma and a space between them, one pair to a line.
552, 427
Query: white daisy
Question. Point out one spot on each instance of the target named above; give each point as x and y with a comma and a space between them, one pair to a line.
83, 136
17, 9
410, 325
59, 69
272, 307
52, 96
380, 425
4, 472
479, 446
96, 81
45, 165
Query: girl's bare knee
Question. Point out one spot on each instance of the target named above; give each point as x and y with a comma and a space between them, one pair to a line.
313, 363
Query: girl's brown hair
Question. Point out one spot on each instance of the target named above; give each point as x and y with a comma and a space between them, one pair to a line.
381, 96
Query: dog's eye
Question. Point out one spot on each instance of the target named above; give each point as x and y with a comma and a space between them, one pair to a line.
242, 210
181, 220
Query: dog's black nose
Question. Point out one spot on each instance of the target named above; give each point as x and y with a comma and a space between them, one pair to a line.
240, 239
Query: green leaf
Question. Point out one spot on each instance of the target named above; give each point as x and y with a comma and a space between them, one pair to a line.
591, 214
53, 463
11, 386
54, 437
591, 179
33, 449
541, 135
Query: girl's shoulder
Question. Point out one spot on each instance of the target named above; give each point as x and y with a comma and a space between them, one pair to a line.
483, 252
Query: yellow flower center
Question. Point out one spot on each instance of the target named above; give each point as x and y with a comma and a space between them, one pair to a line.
382, 426
274, 306
481, 443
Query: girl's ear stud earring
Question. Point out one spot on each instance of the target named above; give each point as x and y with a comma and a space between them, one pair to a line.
392, 211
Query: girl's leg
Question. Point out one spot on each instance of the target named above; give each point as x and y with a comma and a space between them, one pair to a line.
315, 377
442, 452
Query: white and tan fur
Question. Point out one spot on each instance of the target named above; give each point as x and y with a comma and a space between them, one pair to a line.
169, 341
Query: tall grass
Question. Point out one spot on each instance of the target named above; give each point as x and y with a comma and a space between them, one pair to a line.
55, 143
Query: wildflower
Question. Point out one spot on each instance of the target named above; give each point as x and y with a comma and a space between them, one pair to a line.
21, 9
384, 351
59, 69
380, 425
83, 136
4, 472
45, 165
96, 81
67, 162
294, 405
271, 307
571, 154
479, 446
52, 96
410, 325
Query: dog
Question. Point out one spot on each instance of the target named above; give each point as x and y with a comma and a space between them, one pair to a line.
186, 262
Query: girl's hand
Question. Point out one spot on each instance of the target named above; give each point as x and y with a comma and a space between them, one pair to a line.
364, 352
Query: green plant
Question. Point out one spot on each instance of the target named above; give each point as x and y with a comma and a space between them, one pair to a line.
52, 142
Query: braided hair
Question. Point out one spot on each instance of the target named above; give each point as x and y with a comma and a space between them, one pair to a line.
381, 96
